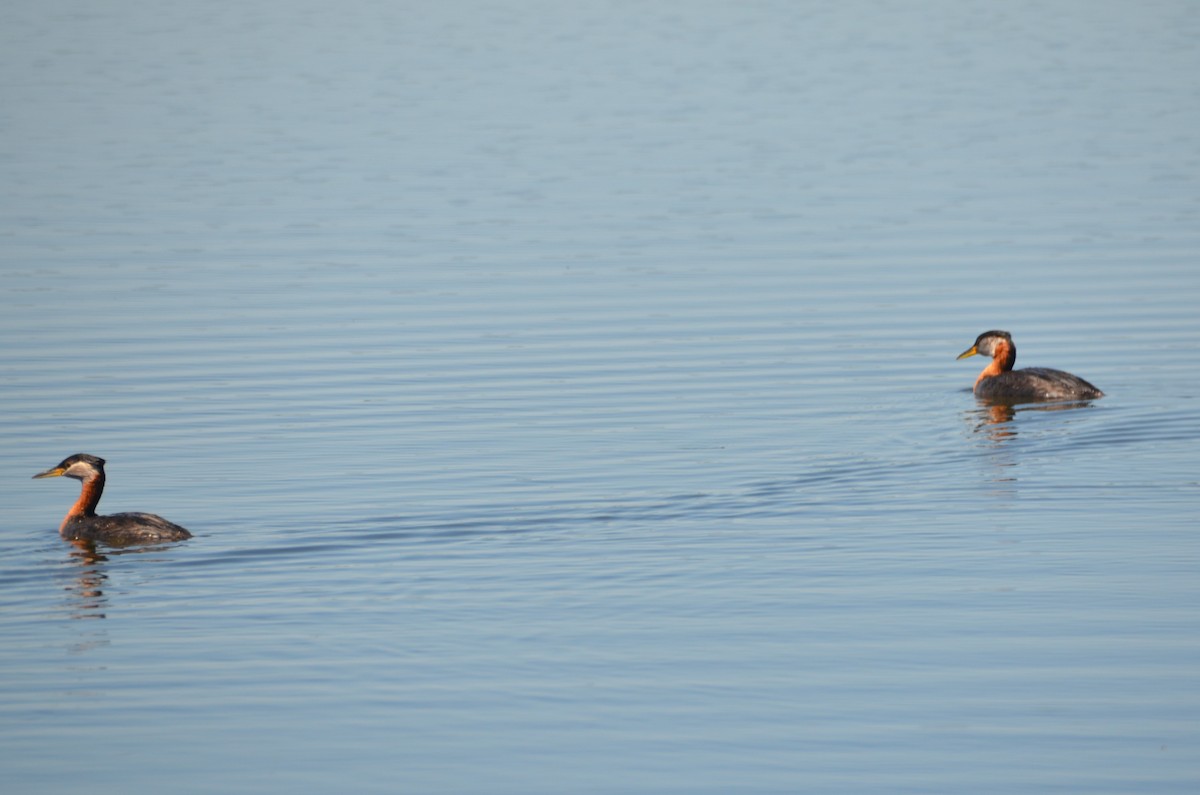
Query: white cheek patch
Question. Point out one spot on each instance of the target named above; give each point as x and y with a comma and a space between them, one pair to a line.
78, 469
989, 345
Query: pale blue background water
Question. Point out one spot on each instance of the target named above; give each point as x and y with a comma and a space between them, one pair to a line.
563, 396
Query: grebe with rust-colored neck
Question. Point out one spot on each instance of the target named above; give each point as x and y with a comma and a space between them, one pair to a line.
119, 529
999, 383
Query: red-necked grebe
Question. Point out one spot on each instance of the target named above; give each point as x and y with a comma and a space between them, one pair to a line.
119, 529
1000, 383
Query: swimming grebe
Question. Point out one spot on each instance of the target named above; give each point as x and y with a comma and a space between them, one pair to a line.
1000, 383
81, 522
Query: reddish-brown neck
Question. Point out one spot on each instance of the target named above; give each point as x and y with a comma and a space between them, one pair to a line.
89, 497
1003, 358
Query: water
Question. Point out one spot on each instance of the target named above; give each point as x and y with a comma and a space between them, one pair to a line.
563, 397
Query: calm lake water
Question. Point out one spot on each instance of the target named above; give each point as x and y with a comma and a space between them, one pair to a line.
564, 399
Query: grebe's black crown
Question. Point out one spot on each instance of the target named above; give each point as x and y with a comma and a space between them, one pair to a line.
91, 460
995, 333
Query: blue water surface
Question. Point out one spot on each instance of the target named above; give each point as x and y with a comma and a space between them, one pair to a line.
563, 397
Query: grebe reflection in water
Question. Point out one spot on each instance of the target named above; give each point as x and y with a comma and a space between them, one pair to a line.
119, 529
1000, 383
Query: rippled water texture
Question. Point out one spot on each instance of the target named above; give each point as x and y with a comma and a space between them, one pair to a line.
564, 398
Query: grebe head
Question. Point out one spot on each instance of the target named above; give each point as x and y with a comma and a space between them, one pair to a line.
987, 343
80, 466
